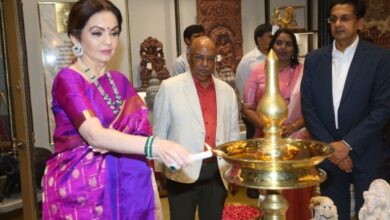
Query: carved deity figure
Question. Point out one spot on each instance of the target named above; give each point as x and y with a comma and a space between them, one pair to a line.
152, 59
376, 201
227, 75
288, 20
323, 208
223, 38
151, 91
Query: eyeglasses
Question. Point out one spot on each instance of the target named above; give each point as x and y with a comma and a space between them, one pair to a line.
201, 58
342, 19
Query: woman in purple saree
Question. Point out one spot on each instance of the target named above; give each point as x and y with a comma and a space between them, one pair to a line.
99, 169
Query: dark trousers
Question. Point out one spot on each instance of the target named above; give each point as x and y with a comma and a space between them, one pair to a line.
208, 194
337, 187
250, 129
250, 132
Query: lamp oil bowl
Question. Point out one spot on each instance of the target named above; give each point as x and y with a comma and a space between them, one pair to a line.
295, 169
274, 163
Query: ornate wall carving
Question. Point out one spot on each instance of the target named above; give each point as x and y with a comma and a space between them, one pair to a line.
152, 58
222, 22
377, 22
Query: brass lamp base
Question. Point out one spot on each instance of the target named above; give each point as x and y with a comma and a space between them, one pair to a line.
295, 168
274, 206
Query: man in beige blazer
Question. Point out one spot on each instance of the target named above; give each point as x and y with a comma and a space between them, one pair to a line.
192, 109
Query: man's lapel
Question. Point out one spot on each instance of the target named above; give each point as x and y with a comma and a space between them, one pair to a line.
354, 70
326, 78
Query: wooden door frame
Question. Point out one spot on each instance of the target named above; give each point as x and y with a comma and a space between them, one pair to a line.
16, 57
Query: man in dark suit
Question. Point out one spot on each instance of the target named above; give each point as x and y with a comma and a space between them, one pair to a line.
345, 94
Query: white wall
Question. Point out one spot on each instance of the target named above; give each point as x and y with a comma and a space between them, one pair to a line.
187, 14
155, 18
252, 15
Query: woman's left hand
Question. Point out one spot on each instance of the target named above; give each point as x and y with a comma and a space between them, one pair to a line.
97, 150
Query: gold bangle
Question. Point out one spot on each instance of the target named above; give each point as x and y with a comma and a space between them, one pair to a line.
295, 127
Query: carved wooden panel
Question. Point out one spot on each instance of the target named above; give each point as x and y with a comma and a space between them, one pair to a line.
222, 22
152, 58
377, 22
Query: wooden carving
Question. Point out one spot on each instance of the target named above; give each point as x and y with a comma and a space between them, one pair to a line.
152, 58
222, 22
377, 22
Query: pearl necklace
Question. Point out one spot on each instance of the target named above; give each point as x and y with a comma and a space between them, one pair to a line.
115, 106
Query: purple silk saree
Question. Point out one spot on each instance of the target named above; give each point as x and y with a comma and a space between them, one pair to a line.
81, 184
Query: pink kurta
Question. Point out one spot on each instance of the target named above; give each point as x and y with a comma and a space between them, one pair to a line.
289, 85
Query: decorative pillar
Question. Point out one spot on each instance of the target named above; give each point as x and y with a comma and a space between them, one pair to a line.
324, 36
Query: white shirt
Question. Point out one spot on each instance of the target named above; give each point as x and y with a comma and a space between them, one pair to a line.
245, 66
340, 67
181, 65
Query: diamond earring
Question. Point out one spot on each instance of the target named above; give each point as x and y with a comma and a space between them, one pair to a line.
77, 50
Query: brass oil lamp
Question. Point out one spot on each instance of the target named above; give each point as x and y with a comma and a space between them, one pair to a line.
274, 163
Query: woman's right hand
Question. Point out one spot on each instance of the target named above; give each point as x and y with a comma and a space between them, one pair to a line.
171, 153
288, 130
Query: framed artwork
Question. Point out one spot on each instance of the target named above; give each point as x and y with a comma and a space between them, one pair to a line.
55, 47
293, 17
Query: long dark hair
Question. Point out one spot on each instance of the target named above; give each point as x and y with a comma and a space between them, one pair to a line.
83, 10
294, 57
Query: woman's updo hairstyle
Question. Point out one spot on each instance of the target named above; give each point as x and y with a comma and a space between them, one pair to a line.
83, 10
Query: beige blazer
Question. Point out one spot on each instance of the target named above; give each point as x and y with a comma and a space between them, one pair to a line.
177, 116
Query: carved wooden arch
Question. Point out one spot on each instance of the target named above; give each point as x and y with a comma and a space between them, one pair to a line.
226, 48
377, 22
222, 22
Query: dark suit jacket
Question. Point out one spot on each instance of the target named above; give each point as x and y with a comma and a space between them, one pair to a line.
364, 106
